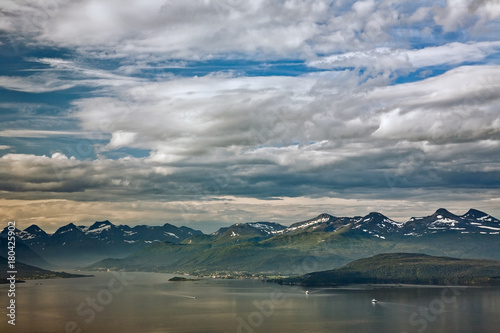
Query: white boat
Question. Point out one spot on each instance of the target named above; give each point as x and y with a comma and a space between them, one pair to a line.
374, 300
307, 292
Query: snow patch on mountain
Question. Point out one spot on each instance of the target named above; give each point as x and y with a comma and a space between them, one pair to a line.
444, 221
321, 219
486, 227
486, 218
99, 229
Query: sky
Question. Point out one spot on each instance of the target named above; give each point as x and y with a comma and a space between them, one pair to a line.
211, 112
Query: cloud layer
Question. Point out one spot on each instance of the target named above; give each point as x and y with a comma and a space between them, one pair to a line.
188, 103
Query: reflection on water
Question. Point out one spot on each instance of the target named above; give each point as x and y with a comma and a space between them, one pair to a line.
147, 302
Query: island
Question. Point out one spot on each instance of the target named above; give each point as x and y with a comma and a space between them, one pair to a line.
405, 268
182, 279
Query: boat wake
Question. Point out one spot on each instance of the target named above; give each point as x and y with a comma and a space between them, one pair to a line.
396, 304
178, 295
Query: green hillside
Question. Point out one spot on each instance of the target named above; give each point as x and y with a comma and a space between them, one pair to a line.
408, 268
28, 272
293, 253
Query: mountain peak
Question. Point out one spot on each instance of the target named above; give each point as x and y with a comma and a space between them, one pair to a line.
66, 228
376, 214
33, 228
443, 211
5, 231
321, 218
378, 225
475, 213
100, 224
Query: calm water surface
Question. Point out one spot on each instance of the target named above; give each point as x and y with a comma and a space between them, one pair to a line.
149, 303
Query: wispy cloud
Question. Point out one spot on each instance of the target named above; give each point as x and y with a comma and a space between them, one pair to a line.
28, 133
411, 59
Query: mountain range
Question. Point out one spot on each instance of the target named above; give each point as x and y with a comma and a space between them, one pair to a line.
74, 245
324, 242
378, 225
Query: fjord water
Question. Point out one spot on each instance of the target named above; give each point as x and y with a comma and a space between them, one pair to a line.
149, 303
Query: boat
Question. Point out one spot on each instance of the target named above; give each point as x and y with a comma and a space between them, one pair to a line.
307, 292
374, 301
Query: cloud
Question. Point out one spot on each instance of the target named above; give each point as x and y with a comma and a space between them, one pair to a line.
177, 28
197, 30
200, 214
121, 139
381, 59
267, 137
35, 83
137, 84
60, 75
28, 133
186, 116
192, 117
463, 13
458, 106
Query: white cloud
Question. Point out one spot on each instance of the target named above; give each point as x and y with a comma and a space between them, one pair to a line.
183, 29
467, 13
62, 75
264, 133
302, 123
455, 14
395, 59
121, 139
205, 29
35, 83
452, 54
187, 116
458, 105
489, 11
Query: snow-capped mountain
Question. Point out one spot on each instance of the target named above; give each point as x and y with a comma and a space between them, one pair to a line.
323, 222
472, 222
267, 227
252, 231
107, 232
32, 232
374, 224
72, 243
324, 241
378, 225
